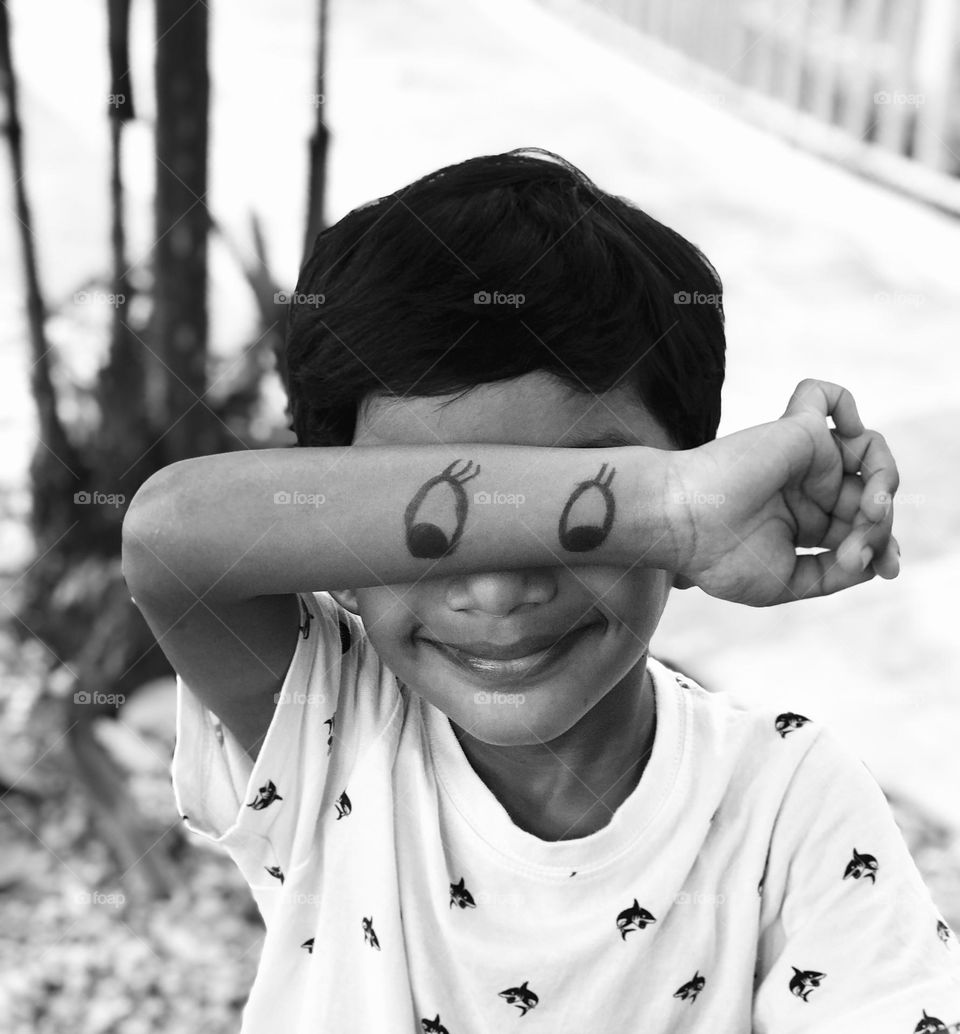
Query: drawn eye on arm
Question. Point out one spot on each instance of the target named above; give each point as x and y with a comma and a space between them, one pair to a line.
587, 497
426, 539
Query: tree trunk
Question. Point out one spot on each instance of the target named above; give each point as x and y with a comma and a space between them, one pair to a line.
56, 470
317, 175
176, 379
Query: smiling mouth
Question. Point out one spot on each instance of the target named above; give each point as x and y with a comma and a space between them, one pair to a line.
511, 667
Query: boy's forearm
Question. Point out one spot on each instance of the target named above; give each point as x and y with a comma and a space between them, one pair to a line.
245, 524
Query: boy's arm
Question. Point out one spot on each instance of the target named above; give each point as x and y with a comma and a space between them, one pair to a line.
214, 547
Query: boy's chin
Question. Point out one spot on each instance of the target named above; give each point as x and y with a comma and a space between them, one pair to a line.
509, 718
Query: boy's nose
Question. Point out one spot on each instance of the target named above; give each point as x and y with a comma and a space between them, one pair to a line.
501, 592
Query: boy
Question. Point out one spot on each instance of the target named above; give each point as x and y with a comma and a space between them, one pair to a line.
464, 796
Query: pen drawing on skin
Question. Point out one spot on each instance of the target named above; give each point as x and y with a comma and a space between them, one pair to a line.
582, 536
426, 539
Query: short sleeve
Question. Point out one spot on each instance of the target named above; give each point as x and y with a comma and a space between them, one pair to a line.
850, 938
334, 698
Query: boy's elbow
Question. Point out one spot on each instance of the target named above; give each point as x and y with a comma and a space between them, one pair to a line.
146, 532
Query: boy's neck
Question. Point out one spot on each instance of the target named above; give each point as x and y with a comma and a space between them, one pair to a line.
572, 786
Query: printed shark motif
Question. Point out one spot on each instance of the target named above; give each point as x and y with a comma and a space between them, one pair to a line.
305, 618
522, 997
930, 1025
343, 805
691, 988
330, 723
433, 1026
788, 722
459, 895
344, 636
804, 981
633, 918
864, 865
266, 795
308, 944
276, 872
943, 931
369, 934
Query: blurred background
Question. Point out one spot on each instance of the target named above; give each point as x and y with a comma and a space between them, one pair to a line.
164, 165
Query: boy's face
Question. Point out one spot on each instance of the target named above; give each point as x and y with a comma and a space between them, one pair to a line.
622, 606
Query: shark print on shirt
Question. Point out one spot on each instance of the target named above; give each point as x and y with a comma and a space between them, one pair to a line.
522, 997
308, 944
804, 981
276, 872
459, 895
305, 618
433, 1026
693, 987
929, 1025
266, 795
369, 934
633, 918
864, 865
788, 722
330, 723
344, 805
943, 932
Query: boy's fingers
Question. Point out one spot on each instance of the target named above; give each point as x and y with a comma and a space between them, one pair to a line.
866, 536
870, 456
888, 566
823, 575
827, 399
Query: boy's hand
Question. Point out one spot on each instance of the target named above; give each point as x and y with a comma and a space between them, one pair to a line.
753, 497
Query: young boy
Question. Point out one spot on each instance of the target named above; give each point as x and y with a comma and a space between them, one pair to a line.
415, 700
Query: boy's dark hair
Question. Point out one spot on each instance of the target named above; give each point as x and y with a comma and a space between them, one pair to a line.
610, 296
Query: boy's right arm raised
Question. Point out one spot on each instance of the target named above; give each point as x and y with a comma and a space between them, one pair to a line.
215, 548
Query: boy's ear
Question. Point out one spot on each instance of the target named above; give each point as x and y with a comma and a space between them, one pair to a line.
347, 599
679, 582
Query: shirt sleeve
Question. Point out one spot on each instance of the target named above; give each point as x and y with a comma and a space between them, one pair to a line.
850, 938
265, 813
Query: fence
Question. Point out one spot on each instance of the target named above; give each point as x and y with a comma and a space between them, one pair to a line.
870, 83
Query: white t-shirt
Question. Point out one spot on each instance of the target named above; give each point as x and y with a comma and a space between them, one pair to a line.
754, 881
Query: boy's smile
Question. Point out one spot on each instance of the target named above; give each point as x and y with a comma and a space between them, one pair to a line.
541, 671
